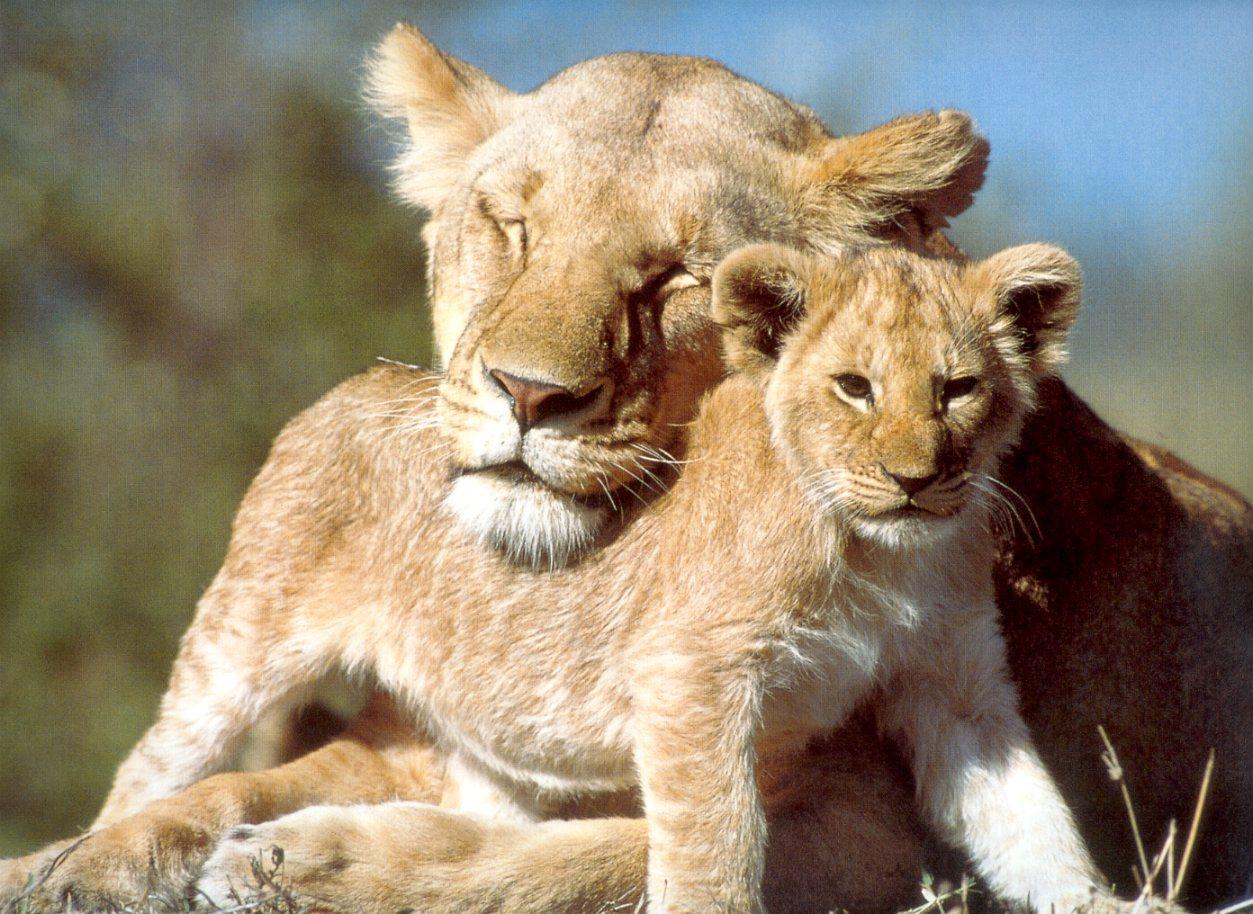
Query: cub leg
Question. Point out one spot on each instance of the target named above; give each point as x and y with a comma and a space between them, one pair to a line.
697, 719
161, 849
978, 775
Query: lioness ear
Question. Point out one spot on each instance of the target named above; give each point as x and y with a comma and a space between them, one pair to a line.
450, 106
758, 297
928, 165
1037, 288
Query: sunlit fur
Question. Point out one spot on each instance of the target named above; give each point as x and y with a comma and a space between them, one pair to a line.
1125, 575
557, 215
908, 324
1124, 571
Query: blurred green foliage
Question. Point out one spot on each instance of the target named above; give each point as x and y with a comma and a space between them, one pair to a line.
196, 242
193, 247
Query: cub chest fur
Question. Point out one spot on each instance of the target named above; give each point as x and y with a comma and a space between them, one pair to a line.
819, 670
876, 626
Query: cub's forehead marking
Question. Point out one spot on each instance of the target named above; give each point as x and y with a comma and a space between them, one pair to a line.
886, 314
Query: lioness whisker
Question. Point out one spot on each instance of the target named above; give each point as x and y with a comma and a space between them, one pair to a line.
661, 455
601, 481
642, 481
661, 487
636, 495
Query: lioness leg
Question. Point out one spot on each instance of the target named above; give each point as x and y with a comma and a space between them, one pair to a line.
223, 680
841, 824
161, 849
399, 856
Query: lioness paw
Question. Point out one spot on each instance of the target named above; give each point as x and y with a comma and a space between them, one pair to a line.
20, 875
139, 859
351, 859
300, 853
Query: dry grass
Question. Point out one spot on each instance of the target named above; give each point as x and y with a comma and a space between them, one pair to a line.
1161, 877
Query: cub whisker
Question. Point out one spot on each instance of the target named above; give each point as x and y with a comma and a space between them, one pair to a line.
1018, 497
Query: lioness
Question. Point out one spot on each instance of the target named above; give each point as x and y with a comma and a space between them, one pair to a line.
875, 396
828, 544
1125, 586
1134, 585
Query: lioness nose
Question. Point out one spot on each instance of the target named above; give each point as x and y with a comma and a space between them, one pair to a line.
535, 401
912, 485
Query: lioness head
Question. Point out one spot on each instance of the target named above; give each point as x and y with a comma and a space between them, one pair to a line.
573, 232
894, 381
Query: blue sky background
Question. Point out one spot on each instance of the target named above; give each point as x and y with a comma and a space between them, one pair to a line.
1132, 105
1129, 104
1121, 131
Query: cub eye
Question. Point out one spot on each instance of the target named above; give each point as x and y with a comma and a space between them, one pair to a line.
854, 386
958, 388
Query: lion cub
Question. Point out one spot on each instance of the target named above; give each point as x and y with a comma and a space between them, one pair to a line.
827, 546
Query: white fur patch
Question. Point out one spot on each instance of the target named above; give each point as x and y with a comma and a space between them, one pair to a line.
905, 532
530, 524
476, 794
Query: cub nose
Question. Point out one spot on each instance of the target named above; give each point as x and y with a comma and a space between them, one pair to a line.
912, 485
534, 401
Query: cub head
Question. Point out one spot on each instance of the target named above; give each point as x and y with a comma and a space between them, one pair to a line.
572, 234
895, 381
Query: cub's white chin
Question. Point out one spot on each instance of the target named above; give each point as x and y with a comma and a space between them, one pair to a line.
530, 524
907, 532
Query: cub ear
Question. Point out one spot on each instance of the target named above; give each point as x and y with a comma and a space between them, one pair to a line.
1036, 287
928, 165
450, 106
758, 297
